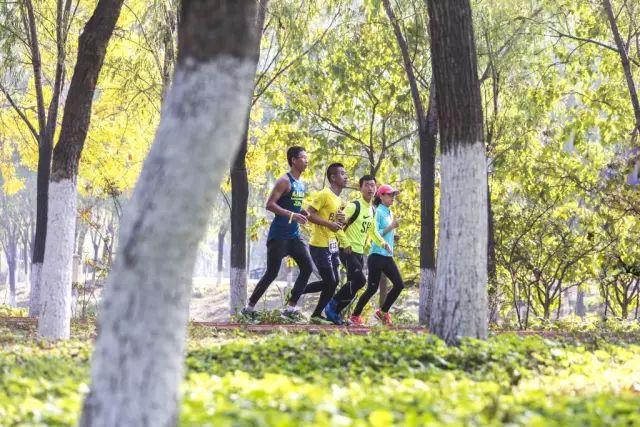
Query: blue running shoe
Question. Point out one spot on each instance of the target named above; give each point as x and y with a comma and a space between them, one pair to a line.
332, 314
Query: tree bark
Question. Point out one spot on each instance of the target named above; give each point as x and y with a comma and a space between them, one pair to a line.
238, 253
492, 280
239, 201
427, 131
626, 66
47, 124
222, 233
11, 252
146, 302
581, 310
55, 321
460, 298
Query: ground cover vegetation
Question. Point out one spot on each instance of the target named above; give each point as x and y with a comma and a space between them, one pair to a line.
587, 375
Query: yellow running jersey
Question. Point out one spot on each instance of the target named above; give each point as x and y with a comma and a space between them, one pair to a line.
328, 205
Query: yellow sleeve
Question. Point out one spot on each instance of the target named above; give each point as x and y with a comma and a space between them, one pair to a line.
318, 201
349, 210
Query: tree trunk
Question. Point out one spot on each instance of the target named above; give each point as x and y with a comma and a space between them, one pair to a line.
55, 321
492, 289
427, 131
222, 233
45, 148
626, 66
427, 210
11, 255
581, 310
25, 253
47, 121
460, 297
239, 201
146, 303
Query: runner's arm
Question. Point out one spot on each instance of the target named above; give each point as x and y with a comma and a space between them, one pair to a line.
318, 220
282, 186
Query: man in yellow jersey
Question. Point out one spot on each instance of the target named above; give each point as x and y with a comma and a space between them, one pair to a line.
327, 236
359, 216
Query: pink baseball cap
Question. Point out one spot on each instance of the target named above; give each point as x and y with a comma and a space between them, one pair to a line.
386, 189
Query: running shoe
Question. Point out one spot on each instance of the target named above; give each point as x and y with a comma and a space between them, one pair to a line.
356, 321
249, 316
385, 318
292, 315
319, 320
332, 314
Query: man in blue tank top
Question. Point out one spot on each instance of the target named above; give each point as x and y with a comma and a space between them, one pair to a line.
285, 201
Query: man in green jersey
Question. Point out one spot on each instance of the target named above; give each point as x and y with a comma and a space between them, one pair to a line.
358, 229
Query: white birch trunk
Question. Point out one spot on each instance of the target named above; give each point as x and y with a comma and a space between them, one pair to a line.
460, 296
427, 285
238, 293
55, 317
137, 364
34, 293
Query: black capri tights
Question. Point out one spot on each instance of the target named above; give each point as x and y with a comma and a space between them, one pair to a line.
377, 265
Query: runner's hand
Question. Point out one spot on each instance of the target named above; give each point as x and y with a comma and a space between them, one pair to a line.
299, 218
334, 226
388, 248
394, 224
340, 217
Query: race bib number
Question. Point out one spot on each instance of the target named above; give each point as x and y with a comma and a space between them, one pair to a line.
333, 246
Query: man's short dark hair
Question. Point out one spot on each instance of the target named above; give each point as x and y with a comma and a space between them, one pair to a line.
366, 178
293, 153
332, 169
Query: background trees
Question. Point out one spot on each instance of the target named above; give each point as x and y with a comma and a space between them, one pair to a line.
333, 76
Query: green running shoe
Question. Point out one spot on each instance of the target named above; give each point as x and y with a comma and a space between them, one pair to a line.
292, 316
319, 320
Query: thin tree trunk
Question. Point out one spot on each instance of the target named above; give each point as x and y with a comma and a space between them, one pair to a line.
146, 303
238, 255
239, 201
55, 321
624, 59
559, 309
492, 289
47, 125
427, 131
581, 310
222, 233
460, 297
25, 253
11, 255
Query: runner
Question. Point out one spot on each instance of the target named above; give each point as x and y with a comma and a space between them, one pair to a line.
285, 201
327, 234
380, 259
358, 230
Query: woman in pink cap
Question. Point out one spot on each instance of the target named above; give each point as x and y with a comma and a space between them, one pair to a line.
380, 259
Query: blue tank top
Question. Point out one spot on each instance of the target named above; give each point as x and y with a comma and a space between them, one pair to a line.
280, 228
